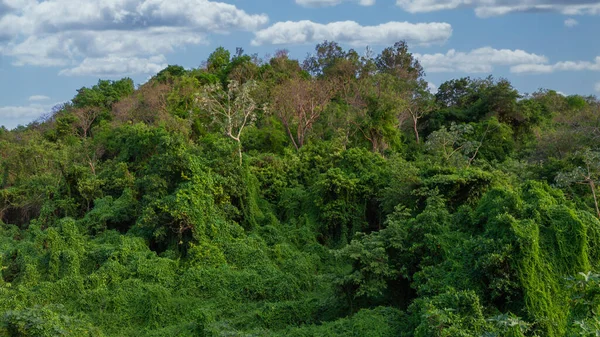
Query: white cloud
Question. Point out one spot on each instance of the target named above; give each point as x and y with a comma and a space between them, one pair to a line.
570, 22
12, 116
117, 66
67, 48
302, 32
66, 33
485, 8
597, 87
329, 3
432, 88
537, 68
482, 60
60, 15
36, 98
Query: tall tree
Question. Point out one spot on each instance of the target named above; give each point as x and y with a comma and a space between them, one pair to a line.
299, 103
398, 62
419, 102
85, 118
378, 109
327, 55
408, 74
588, 174
104, 94
233, 109
457, 93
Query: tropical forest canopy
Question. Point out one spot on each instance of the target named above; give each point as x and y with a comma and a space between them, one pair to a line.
331, 196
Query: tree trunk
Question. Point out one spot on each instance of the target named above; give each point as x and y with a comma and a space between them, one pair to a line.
593, 188
416, 130
240, 151
374, 142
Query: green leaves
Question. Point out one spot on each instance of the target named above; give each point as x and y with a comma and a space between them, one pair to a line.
453, 145
129, 212
44, 322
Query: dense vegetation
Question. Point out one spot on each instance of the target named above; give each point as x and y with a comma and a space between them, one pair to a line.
331, 197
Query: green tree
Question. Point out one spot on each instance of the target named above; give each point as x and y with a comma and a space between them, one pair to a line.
588, 174
419, 103
453, 145
378, 111
398, 62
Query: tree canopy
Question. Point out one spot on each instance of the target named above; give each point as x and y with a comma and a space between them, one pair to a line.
331, 196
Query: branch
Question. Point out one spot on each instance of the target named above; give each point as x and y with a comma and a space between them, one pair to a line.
478, 147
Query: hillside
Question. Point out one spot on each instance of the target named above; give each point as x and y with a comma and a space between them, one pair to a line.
333, 196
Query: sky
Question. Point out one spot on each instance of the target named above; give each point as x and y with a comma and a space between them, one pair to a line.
51, 48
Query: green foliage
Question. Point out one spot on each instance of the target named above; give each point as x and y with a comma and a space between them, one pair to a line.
148, 221
42, 322
378, 322
452, 146
103, 94
170, 73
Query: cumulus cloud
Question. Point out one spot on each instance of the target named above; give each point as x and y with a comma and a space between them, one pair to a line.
570, 22
36, 98
117, 66
65, 48
538, 68
302, 32
482, 60
12, 116
432, 88
485, 8
74, 34
329, 3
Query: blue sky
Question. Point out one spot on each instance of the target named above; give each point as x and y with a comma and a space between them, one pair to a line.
50, 48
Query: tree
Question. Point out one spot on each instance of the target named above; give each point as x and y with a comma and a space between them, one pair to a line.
149, 104
233, 108
85, 118
218, 60
407, 73
453, 144
169, 74
281, 68
457, 93
104, 94
589, 174
327, 55
418, 105
397, 61
243, 67
501, 100
298, 103
378, 110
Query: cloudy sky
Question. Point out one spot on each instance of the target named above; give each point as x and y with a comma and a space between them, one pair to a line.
50, 48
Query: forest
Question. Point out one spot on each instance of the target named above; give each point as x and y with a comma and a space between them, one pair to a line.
330, 196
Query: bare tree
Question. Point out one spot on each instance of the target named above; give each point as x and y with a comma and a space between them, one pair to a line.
147, 105
299, 103
233, 109
85, 118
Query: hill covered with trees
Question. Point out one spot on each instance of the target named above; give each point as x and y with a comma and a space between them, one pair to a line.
334, 196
